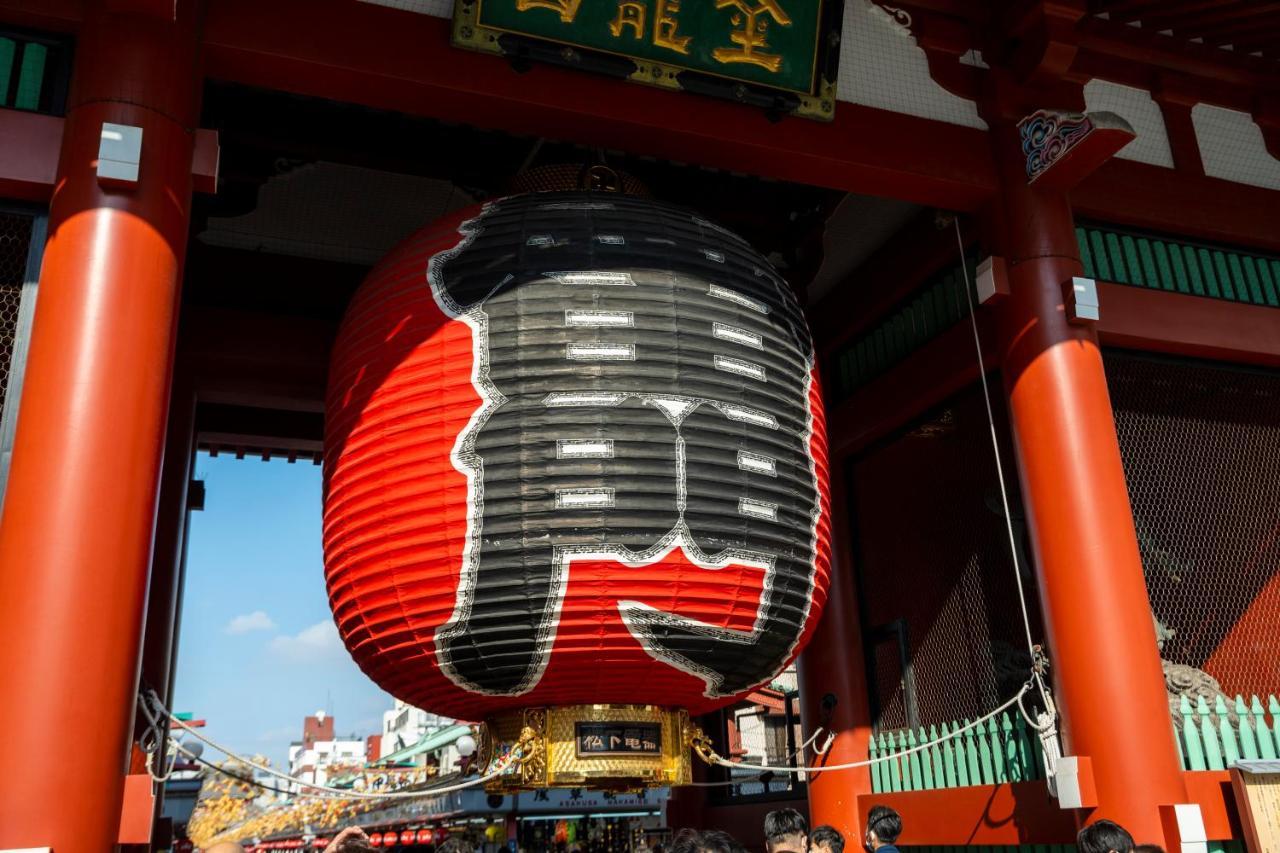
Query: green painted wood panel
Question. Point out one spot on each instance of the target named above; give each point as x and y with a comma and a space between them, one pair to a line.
918, 319
1209, 735
1115, 255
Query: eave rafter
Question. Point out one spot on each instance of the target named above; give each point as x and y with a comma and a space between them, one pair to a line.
1242, 32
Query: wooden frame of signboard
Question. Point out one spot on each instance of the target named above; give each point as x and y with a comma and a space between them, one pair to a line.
1256, 785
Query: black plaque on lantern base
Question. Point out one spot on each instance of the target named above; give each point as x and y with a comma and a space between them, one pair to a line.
604, 747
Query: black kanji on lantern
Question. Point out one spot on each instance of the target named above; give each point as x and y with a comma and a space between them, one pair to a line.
646, 381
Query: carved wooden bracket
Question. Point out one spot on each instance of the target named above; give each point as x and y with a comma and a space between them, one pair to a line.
1064, 148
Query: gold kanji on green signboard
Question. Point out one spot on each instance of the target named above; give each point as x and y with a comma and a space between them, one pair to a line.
751, 36
713, 46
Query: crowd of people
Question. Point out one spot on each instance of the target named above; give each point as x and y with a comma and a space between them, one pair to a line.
785, 831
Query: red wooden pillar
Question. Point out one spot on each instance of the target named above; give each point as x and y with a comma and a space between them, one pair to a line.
1106, 669
76, 536
159, 641
833, 687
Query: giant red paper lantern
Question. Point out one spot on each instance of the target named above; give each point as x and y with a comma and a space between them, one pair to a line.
575, 453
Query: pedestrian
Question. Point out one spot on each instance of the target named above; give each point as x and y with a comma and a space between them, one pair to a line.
826, 839
786, 831
1104, 836
705, 841
884, 825
454, 844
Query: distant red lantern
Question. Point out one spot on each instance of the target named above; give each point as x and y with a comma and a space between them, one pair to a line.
575, 454
441, 835
390, 839
320, 843
375, 839
424, 836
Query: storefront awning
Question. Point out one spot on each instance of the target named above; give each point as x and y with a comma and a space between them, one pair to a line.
439, 739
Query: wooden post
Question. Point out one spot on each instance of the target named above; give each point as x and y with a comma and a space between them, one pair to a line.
76, 536
833, 686
1106, 668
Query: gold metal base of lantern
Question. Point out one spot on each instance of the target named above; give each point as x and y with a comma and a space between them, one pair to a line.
609, 747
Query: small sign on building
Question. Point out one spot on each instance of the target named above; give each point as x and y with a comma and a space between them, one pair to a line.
1256, 784
781, 55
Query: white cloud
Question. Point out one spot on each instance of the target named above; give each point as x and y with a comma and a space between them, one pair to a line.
258, 620
315, 643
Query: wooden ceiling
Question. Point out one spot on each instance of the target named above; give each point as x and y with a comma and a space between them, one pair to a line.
1245, 27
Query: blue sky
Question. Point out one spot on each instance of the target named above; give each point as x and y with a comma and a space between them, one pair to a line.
258, 649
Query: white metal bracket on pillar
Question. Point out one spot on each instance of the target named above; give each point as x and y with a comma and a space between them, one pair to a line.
1081, 302
119, 155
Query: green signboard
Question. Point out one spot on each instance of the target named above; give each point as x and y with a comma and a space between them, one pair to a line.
779, 54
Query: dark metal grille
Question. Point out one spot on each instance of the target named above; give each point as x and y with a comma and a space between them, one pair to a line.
15, 242
1201, 448
944, 637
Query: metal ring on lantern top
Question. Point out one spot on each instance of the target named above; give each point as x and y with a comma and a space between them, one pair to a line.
575, 460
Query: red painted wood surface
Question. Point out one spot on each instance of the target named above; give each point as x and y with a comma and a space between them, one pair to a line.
831, 667
1181, 324
388, 59
1090, 573
76, 535
1025, 813
30, 143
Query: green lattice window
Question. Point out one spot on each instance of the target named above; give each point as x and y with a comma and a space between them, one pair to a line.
912, 323
33, 72
1179, 266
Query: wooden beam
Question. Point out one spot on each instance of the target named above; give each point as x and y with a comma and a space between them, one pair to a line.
1110, 45
247, 427
1024, 813
30, 143
389, 59
888, 276
1007, 814
59, 16
1164, 200
924, 379
1180, 324
239, 358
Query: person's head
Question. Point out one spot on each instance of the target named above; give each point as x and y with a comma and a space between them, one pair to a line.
1104, 837
705, 841
826, 839
786, 831
884, 825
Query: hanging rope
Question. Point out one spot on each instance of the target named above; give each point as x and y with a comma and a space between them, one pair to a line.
760, 777
159, 711
1037, 657
712, 757
251, 781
